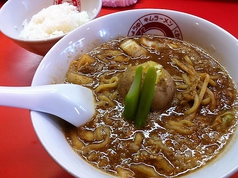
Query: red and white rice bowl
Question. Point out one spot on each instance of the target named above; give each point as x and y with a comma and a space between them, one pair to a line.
12, 25
216, 41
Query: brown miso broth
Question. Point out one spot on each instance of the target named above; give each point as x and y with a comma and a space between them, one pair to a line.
177, 139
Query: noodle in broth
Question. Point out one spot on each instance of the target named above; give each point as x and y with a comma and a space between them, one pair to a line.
177, 139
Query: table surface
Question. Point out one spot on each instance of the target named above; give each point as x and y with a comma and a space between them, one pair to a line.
21, 154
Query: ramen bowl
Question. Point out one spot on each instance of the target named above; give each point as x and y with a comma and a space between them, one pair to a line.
53, 68
11, 26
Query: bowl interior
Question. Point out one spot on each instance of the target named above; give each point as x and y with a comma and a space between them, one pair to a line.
24, 9
216, 41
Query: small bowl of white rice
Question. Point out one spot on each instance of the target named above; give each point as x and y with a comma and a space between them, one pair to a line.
38, 25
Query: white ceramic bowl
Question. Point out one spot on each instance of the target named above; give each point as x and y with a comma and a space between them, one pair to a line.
11, 25
219, 43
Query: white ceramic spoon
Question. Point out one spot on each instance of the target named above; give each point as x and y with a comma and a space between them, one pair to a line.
73, 103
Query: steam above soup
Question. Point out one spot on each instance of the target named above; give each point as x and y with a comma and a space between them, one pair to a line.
191, 119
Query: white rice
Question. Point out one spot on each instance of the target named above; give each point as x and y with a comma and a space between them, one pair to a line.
53, 21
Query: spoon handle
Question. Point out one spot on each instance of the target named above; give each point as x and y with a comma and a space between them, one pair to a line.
72, 103
33, 98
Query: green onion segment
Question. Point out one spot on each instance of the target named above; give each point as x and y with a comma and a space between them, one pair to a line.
138, 101
132, 97
146, 97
